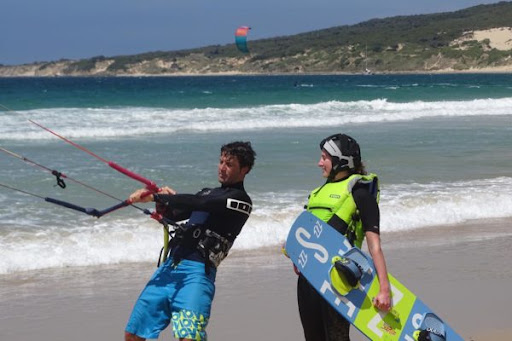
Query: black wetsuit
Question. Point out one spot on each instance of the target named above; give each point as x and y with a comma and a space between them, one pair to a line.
319, 320
223, 210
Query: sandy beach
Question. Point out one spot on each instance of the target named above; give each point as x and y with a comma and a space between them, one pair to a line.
462, 272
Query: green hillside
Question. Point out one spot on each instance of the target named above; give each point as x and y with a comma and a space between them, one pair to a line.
396, 44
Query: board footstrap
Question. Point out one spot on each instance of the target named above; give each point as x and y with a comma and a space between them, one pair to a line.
431, 329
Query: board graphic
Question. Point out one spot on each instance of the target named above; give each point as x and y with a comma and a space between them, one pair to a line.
312, 245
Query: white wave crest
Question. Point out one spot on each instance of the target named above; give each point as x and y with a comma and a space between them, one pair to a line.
117, 239
405, 207
91, 244
136, 121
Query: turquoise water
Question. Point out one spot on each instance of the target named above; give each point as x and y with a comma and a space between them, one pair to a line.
441, 144
245, 91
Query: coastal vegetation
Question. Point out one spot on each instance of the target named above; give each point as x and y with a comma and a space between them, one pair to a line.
422, 43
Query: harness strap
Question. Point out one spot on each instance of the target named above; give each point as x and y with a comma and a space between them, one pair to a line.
212, 246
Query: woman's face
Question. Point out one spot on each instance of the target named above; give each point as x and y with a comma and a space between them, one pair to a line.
325, 164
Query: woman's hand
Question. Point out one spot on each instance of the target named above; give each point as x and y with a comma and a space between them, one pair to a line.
382, 301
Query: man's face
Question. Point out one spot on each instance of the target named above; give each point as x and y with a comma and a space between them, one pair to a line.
229, 170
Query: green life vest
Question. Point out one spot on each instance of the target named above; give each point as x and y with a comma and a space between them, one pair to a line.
336, 198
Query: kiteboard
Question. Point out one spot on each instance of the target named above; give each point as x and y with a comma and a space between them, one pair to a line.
346, 277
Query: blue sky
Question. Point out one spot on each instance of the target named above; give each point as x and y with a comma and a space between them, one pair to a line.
49, 30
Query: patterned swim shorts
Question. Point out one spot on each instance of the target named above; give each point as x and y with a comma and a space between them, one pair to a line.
182, 293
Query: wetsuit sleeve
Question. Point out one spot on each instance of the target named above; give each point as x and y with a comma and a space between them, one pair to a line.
180, 206
368, 209
168, 211
193, 202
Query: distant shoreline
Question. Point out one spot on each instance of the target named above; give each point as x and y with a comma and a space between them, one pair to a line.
497, 70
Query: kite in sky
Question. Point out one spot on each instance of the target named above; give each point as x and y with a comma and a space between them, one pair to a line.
241, 38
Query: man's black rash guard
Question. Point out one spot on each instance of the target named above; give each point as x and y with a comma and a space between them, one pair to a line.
227, 208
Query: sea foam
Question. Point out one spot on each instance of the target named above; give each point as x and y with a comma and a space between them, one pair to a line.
140, 121
29, 244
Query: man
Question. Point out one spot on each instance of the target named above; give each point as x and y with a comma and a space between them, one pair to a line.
181, 290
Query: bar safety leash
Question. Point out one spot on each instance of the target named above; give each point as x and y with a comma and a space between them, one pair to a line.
150, 185
89, 211
60, 182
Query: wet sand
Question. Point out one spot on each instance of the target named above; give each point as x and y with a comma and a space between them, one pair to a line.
462, 272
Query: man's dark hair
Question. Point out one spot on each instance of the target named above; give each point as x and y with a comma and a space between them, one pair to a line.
242, 151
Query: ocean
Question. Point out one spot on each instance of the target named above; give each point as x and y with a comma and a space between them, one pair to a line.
441, 145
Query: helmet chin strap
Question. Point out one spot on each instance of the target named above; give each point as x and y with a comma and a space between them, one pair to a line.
333, 175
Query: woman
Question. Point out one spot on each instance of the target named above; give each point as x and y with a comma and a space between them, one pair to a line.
348, 202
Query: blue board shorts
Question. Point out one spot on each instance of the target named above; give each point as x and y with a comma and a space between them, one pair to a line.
181, 293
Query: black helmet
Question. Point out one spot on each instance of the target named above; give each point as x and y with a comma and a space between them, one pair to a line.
344, 151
